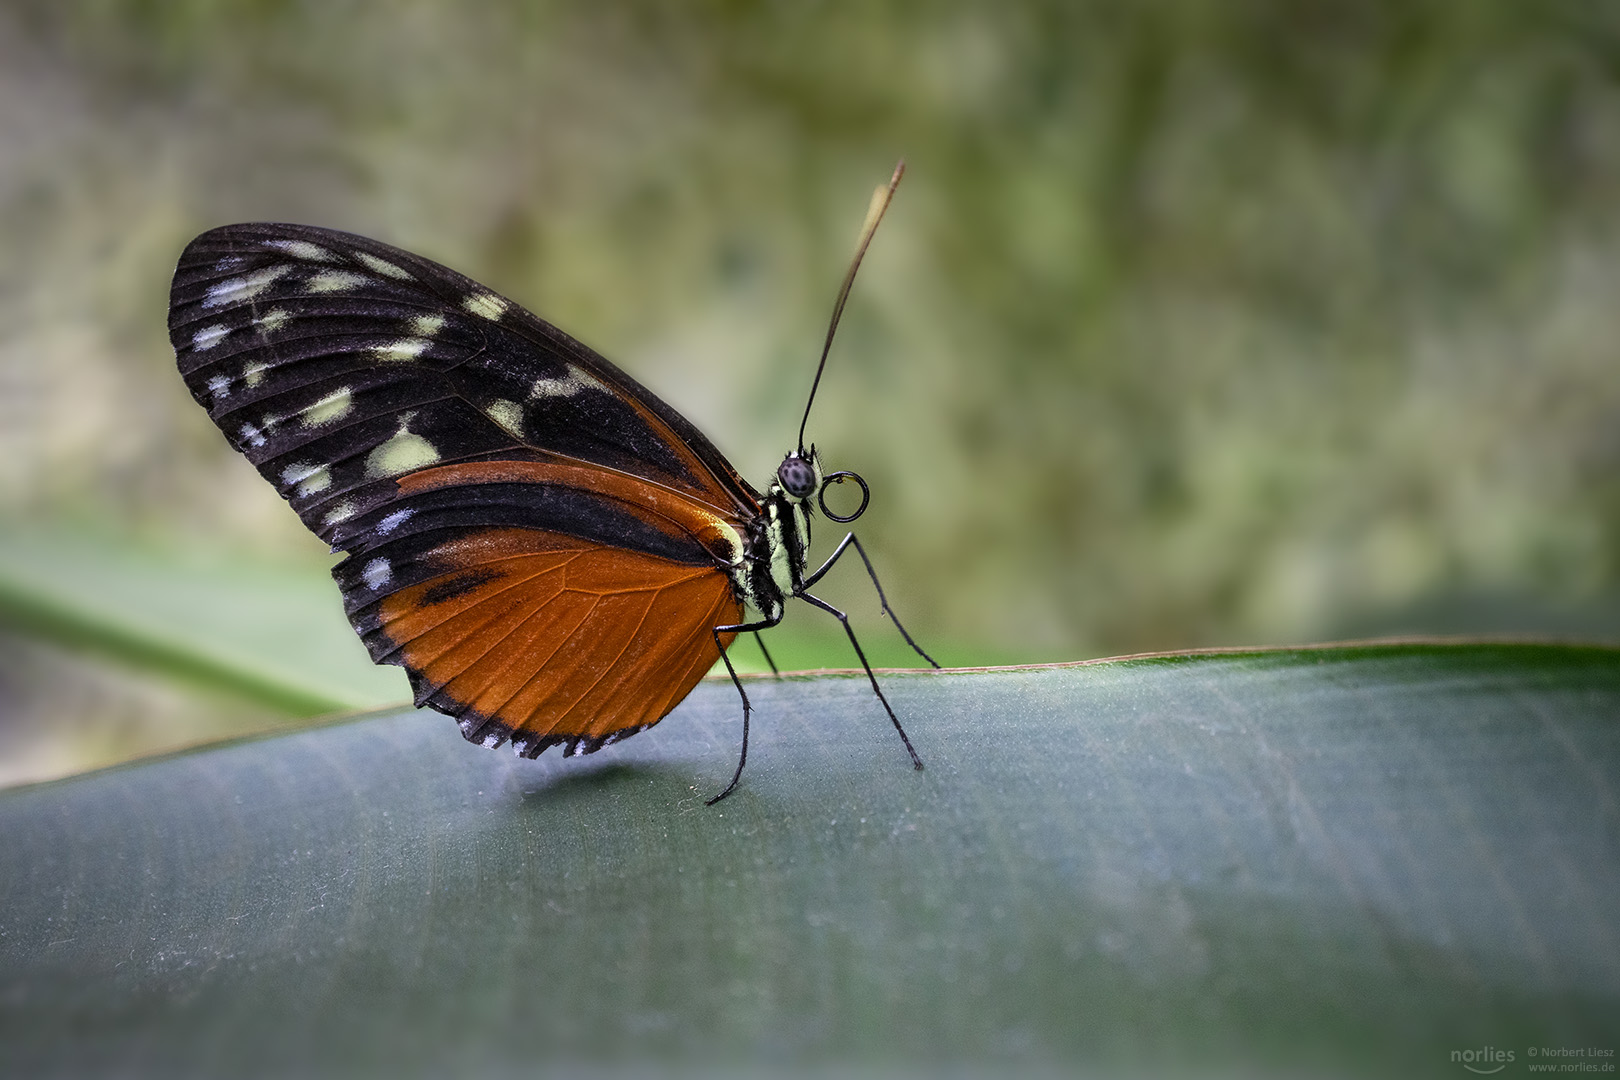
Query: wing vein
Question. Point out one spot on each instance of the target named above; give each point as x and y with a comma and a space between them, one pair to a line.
518, 583
608, 668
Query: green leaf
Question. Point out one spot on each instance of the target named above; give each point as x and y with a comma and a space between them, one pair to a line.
274, 635
1357, 860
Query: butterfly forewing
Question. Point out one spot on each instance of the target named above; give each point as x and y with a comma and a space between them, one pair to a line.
536, 538
334, 362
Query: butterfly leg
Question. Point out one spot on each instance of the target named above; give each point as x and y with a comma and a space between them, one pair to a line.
844, 619
742, 759
774, 669
882, 600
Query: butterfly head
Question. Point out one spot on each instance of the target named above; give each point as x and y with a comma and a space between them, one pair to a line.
799, 475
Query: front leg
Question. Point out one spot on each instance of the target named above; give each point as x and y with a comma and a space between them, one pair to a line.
850, 538
844, 619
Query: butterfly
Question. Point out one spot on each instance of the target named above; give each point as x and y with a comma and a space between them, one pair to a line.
553, 555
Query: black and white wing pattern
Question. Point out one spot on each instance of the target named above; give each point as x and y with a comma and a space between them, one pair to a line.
336, 363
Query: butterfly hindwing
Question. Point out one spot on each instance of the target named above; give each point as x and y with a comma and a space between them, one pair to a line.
537, 539
542, 602
543, 639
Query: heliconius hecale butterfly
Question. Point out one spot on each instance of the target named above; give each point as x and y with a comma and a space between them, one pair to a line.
554, 555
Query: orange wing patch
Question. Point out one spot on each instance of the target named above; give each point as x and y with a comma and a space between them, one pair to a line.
544, 639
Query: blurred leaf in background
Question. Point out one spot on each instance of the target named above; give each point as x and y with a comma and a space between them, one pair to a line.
1193, 324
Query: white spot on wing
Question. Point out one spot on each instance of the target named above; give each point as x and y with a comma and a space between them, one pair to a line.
404, 349
492, 740
303, 249
390, 522
400, 454
309, 478
253, 373
209, 336
343, 511
426, 325
485, 305
508, 414
220, 387
376, 574
271, 320
240, 289
383, 266
566, 386
334, 406
328, 281
251, 436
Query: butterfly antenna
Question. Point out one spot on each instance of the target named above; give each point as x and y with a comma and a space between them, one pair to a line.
874, 214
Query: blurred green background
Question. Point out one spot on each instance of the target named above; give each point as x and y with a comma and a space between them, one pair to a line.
1193, 323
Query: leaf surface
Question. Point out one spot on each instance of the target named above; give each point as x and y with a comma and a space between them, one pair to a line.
1351, 860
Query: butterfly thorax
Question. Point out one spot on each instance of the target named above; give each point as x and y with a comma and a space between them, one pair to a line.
778, 542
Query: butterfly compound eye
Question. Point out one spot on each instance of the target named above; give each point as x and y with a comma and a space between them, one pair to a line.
797, 477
